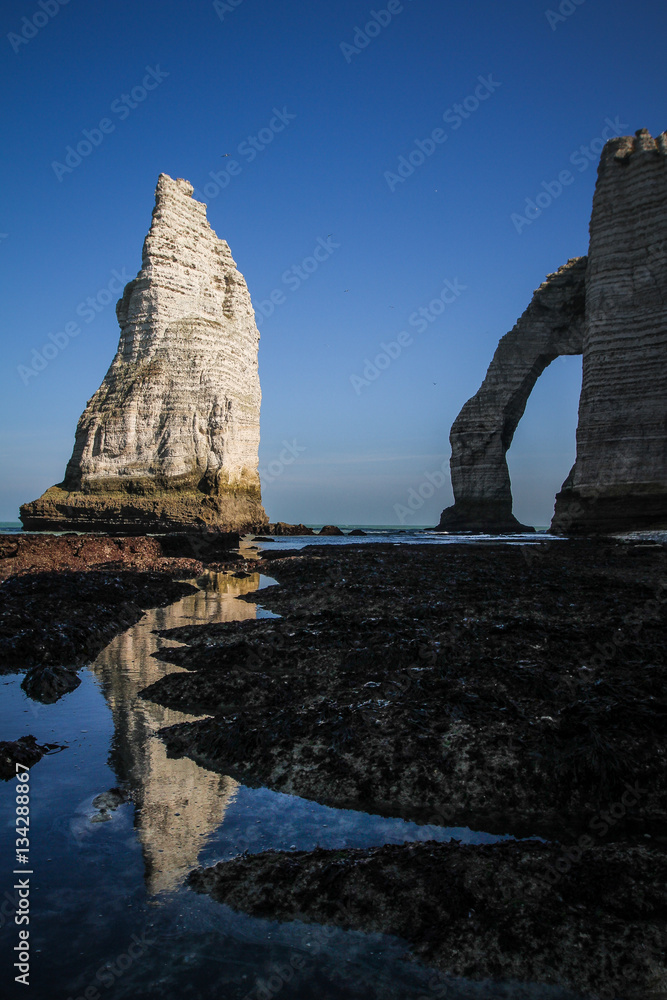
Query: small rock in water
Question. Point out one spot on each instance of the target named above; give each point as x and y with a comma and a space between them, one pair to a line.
48, 684
25, 751
106, 803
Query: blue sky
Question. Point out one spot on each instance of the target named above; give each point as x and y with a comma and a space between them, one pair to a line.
221, 76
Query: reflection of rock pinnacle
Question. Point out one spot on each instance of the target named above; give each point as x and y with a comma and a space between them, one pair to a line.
178, 803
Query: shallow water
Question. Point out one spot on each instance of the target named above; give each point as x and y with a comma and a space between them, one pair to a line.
100, 884
403, 536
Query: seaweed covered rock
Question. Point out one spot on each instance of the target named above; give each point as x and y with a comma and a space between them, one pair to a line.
480, 912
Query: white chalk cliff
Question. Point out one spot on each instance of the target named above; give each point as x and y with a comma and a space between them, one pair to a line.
170, 439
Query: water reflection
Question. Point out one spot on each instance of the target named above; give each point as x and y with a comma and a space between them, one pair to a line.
178, 804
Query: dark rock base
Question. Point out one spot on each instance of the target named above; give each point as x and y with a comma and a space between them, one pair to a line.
481, 517
65, 619
25, 752
506, 688
580, 515
60, 510
499, 911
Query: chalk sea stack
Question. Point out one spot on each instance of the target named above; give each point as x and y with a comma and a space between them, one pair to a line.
611, 307
170, 439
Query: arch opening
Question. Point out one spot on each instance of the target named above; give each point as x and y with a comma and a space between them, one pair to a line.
543, 449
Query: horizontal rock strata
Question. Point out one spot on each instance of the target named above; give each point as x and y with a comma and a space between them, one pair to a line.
170, 438
611, 307
619, 481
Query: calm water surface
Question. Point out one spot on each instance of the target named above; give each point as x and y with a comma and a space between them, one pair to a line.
102, 884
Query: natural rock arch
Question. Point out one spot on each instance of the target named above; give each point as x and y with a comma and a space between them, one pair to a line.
552, 325
611, 307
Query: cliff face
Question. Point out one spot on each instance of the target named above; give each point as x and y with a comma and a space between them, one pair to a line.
612, 308
481, 434
170, 438
619, 480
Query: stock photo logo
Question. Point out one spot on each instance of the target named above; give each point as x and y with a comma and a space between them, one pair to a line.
121, 107
277, 466
378, 21
420, 320
581, 158
454, 116
223, 7
416, 498
294, 277
565, 10
340, 650
249, 149
31, 26
87, 310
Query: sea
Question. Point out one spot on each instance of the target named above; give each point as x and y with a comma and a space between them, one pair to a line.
388, 533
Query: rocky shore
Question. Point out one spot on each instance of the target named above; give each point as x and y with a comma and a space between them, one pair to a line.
513, 689
444, 684
63, 598
177, 553
477, 912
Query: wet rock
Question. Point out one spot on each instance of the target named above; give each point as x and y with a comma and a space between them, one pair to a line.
48, 684
480, 912
279, 554
409, 681
290, 529
25, 751
106, 804
65, 619
206, 546
356, 532
175, 555
330, 529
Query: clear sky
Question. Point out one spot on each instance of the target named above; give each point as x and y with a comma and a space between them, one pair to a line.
316, 116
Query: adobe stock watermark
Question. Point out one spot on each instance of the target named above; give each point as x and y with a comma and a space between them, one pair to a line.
316, 940
221, 8
121, 107
600, 826
87, 310
249, 149
565, 10
454, 117
420, 321
416, 498
580, 158
31, 26
379, 20
294, 277
277, 466
108, 974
